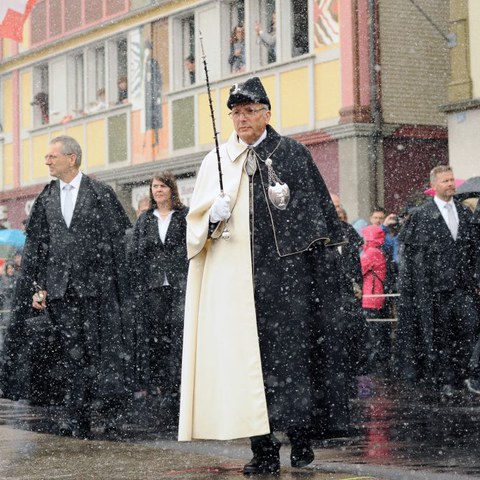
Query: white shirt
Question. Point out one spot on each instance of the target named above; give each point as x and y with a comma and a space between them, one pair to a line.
442, 205
75, 183
163, 225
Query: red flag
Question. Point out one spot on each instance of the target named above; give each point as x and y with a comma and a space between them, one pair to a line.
13, 14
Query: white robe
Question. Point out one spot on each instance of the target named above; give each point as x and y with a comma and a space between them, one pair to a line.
222, 389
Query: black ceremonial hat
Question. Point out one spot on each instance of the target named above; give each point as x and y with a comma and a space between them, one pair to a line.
251, 91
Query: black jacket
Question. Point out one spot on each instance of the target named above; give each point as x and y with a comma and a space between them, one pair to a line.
431, 265
89, 258
150, 259
86, 255
431, 259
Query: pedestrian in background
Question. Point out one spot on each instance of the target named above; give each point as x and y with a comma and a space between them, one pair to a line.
437, 315
374, 271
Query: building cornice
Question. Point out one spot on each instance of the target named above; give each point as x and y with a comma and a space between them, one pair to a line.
180, 166
460, 106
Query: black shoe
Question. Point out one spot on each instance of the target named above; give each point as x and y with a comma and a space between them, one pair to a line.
301, 455
82, 432
266, 456
262, 465
65, 430
473, 385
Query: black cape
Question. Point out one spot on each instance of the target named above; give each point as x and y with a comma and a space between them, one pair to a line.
30, 347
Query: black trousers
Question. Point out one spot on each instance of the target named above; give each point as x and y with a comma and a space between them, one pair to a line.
159, 340
87, 373
455, 331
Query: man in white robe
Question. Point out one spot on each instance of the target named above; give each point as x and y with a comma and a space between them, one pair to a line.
253, 299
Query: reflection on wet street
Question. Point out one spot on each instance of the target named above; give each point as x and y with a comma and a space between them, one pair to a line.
396, 434
402, 428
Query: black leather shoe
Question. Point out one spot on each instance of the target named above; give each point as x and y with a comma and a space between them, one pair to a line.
266, 456
262, 465
301, 455
65, 430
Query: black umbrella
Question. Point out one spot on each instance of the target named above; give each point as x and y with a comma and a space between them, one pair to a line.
468, 189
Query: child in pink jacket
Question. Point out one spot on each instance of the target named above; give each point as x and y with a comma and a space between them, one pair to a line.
374, 271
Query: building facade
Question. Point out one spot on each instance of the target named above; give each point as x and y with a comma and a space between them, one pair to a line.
463, 106
126, 78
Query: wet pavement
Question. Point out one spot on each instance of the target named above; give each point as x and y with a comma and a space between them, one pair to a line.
396, 435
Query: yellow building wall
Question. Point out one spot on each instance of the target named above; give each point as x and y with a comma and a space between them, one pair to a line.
474, 32
26, 173
7, 47
77, 132
205, 129
269, 84
8, 165
95, 149
39, 148
25, 44
226, 121
295, 98
25, 96
7, 105
327, 90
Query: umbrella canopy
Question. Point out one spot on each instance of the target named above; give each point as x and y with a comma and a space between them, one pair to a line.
470, 188
12, 237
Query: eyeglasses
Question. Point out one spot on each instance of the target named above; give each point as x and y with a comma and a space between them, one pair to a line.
247, 112
54, 157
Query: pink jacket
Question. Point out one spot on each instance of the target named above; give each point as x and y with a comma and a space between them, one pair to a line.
374, 266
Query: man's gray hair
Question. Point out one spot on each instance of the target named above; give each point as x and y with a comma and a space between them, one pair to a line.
439, 169
69, 146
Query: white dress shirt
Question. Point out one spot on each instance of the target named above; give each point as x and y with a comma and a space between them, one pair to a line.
163, 224
441, 204
75, 183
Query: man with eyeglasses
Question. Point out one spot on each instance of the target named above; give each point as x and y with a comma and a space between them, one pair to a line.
73, 269
254, 301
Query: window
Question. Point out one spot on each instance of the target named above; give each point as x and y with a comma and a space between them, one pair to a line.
99, 68
118, 62
97, 71
248, 34
237, 55
78, 75
40, 102
185, 61
264, 49
299, 23
188, 48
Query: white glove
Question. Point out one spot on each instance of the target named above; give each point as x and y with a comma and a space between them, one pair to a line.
220, 210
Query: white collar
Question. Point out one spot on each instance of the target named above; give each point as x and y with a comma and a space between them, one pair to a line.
442, 203
74, 183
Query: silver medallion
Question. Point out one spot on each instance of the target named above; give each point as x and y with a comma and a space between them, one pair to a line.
278, 191
279, 195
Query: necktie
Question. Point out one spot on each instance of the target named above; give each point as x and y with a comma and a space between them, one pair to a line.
251, 164
68, 204
452, 220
